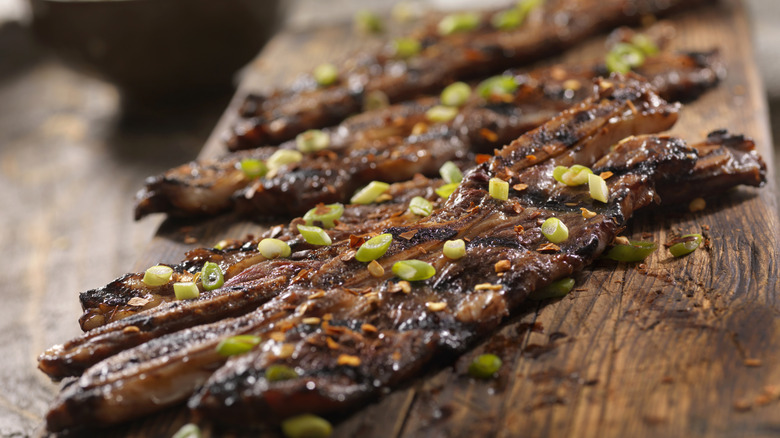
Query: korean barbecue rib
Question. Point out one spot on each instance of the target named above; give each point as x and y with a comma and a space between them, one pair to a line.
349, 334
393, 144
551, 27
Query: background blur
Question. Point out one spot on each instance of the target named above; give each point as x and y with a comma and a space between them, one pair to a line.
72, 155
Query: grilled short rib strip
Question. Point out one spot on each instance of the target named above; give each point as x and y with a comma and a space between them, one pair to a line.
620, 108
507, 258
382, 144
583, 133
555, 26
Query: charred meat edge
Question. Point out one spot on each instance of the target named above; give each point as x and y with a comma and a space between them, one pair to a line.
553, 27
394, 143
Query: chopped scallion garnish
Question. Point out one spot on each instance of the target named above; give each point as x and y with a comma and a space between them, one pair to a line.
314, 235
446, 190
326, 74
635, 251
456, 94
312, 140
450, 173
277, 373
420, 206
454, 249
368, 22
555, 230
369, 193
283, 157
271, 248
497, 87
556, 289
507, 20
498, 189
306, 426
186, 290
645, 44
685, 244
623, 57
327, 215
253, 168
459, 22
189, 430
157, 275
211, 276
374, 248
598, 188
558, 173
441, 113
485, 366
406, 47
413, 270
237, 345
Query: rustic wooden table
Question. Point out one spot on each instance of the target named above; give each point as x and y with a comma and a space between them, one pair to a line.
73, 159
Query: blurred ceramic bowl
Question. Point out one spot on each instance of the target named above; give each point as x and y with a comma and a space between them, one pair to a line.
156, 48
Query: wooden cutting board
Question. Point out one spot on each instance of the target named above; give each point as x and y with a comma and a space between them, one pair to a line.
685, 347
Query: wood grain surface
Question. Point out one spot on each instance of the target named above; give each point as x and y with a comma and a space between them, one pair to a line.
676, 347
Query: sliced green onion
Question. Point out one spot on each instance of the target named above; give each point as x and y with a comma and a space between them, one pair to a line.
526, 6
554, 230
413, 270
498, 189
186, 290
368, 22
598, 188
558, 173
485, 366
635, 251
623, 57
441, 113
273, 248
326, 74
420, 206
688, 244
158, 275
450, 173
277, 373
211, 276
497, 87
253, 168
447, 189
283, 157
459, 22
507, 20
406, 11
189, 430
645, 44
306, 426
456, 94
454, 249
406, 47
237, 345
374, 248
556, 289
314, 235
312, 140
327, 215
369, 193
577, 175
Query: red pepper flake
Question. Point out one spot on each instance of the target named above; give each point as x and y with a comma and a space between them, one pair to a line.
408, 235
549, 247
481, 158
356, 241
752, 362
137, 302
368, 328
301, 275
333, 345
502, 266
348, 360
605, 175
519, 229
516, 207
488, 135
530, 157
131, 329
520, 187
